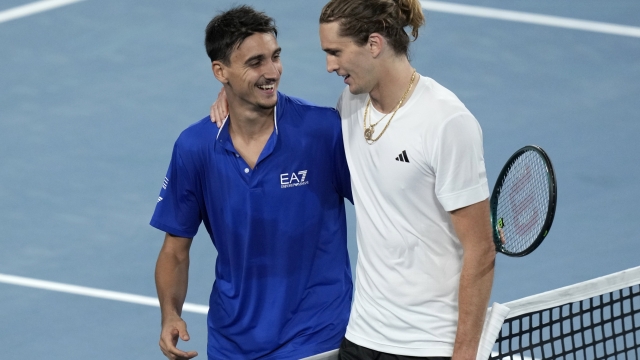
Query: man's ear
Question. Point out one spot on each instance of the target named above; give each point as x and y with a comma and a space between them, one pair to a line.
376, 44
219, 71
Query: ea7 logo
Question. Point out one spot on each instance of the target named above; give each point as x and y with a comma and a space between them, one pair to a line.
294, 179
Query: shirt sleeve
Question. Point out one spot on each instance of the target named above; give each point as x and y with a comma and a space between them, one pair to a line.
177, 210
458, 160
342, 175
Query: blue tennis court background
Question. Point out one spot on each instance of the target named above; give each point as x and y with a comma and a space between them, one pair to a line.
93, 95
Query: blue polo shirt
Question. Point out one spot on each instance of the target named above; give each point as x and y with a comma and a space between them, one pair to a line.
283, 280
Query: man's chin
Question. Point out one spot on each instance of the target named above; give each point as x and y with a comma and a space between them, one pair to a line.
268, 105
355, 90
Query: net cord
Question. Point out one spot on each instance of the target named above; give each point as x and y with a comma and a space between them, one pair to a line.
574, 293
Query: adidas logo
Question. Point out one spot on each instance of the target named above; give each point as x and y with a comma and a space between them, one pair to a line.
403, 157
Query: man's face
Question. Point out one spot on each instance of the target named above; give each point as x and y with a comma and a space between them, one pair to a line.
347, 59
254, 72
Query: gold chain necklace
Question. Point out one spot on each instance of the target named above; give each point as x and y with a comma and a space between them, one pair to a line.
369, 130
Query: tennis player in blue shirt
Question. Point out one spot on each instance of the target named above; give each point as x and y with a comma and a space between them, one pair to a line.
269, 186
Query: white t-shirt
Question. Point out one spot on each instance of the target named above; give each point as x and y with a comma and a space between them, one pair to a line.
427, 163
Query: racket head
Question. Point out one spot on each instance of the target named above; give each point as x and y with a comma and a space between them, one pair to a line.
523, 202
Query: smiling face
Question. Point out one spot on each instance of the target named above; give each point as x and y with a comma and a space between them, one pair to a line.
253, 73
347, 59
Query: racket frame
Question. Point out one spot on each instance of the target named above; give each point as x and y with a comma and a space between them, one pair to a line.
495, 195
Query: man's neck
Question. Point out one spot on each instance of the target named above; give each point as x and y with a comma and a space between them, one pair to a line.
392, 83
250, 129
250, 124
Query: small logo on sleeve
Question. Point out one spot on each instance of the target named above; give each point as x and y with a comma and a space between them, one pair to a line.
403, 157
288, 180
165, 183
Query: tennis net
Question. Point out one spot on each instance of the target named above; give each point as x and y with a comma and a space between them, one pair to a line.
596, 319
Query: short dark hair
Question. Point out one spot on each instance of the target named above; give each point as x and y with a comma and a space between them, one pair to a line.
360, 18
228, 30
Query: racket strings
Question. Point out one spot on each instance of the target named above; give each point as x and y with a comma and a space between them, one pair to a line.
523, 202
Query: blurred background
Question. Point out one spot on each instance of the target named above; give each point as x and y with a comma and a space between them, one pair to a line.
93, 95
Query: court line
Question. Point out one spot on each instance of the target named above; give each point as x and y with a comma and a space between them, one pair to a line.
545, 20
33, 8
93, 292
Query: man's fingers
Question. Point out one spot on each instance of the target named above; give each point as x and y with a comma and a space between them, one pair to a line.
191, 355
224, 105
219, 109
169, 340
181, 328
183, 355
219, 117
180, 355
212, 112
216, 114
172, 352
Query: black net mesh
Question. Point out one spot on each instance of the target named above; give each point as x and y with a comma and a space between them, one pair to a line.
605, 326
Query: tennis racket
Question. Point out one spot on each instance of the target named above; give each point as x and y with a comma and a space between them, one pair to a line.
523, 202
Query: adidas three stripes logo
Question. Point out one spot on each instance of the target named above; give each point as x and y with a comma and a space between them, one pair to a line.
403, 157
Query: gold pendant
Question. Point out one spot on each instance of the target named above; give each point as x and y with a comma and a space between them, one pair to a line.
368, 132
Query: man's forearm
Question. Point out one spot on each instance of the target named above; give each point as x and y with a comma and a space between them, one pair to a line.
473, 227
172, 276
476, 280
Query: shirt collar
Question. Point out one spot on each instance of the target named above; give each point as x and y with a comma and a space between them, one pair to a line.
226, 128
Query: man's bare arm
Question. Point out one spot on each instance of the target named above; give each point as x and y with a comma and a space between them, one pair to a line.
172, 276
473, 227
